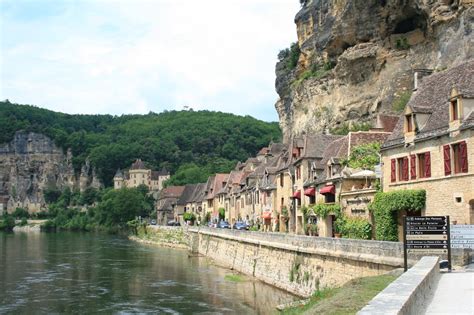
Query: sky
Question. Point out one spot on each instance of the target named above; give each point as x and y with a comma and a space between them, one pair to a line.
136, 56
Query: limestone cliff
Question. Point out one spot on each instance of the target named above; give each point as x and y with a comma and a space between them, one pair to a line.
31, 163
358, 57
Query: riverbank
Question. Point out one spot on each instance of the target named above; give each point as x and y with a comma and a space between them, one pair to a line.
165, 236
348, 299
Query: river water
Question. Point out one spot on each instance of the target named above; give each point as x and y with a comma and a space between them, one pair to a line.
95, 273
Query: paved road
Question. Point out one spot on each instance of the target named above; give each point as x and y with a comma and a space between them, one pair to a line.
454, 293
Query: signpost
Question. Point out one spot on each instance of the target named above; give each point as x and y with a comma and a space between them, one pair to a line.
462, 236
426, 235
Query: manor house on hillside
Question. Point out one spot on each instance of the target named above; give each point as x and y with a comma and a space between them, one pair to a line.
138, 175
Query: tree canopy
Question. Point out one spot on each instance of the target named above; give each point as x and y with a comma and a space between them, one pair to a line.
211, 141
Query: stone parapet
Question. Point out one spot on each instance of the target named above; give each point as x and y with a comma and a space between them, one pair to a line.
409, 293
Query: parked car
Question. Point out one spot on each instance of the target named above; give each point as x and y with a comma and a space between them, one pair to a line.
173, 223
239, 225
223, 225
211, 224
153, 222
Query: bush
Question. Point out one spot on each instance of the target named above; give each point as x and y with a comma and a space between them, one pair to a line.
20, 213
386, 206
357, 228
402, 43
221, 213
345, 128
8, 223
364, 156
189, 216
24, 221
323, 210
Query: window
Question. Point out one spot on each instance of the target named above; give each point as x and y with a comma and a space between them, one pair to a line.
298, 172
402, 168
281, 179
424, 165
409, 123
458, 160
454, 110
460, 157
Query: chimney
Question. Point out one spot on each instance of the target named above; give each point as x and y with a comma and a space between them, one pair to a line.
418, 75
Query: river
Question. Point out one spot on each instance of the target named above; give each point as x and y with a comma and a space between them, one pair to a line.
97, 273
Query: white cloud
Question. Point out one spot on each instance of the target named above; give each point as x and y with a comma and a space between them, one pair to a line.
136, 56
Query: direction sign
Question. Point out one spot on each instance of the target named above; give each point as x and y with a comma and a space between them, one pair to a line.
462, 236
426, 235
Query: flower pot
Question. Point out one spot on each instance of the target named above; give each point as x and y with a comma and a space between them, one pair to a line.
337, 235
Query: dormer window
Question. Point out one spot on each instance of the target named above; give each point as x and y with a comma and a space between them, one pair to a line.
454, 109
409, 123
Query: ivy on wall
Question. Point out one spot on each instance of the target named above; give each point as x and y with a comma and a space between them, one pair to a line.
386, 206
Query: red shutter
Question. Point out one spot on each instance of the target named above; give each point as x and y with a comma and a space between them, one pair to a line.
463, 156
393, 170
447, 159
427, 164
413, 166
405, 168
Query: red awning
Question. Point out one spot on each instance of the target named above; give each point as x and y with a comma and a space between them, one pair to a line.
310, 191
328, 190
297, 194
267, 215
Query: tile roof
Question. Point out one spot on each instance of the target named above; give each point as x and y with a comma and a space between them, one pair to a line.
216, 185
432, 97
387, 122
172, 192
138, 165
187, 194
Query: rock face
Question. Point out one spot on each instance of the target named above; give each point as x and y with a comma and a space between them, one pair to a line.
31, 163
358, 57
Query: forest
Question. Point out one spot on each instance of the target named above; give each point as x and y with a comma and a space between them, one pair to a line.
190, 144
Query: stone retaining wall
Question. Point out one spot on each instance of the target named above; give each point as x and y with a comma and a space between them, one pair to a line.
299, 264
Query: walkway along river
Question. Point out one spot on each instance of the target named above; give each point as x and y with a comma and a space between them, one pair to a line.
96, 273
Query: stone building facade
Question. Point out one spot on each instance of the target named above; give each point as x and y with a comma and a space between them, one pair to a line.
432, 147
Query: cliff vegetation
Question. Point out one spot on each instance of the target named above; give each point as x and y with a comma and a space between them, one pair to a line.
195, 140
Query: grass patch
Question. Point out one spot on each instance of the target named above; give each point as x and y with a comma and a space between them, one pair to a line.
348, 299
234, 278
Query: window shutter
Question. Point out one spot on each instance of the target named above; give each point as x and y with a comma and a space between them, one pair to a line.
463, 155
427, 164
405, 168
413, 166
393, 171
447, 159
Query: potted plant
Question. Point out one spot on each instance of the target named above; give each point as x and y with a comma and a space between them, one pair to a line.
284, 214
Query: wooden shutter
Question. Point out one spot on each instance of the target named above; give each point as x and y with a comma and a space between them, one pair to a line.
413, 166
405, 168
447, 159
393, 170
463, 156
427, 164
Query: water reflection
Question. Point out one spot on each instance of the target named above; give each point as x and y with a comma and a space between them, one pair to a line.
85, 272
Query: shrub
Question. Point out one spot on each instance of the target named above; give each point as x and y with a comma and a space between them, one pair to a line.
221, 213
386, 206
357, 228
20, 213
189, 216
323, 210
345, 128
402, 43
24, 221
8, 223
364, 156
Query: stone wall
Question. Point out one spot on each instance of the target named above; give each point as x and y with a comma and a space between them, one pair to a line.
298, 264
302, 264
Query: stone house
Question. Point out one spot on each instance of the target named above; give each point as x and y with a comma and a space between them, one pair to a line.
432, 146
215, 198
336, 183
166, 203
197, 203
139, 174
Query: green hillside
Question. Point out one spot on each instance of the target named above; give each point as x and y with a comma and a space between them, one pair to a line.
200, 142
